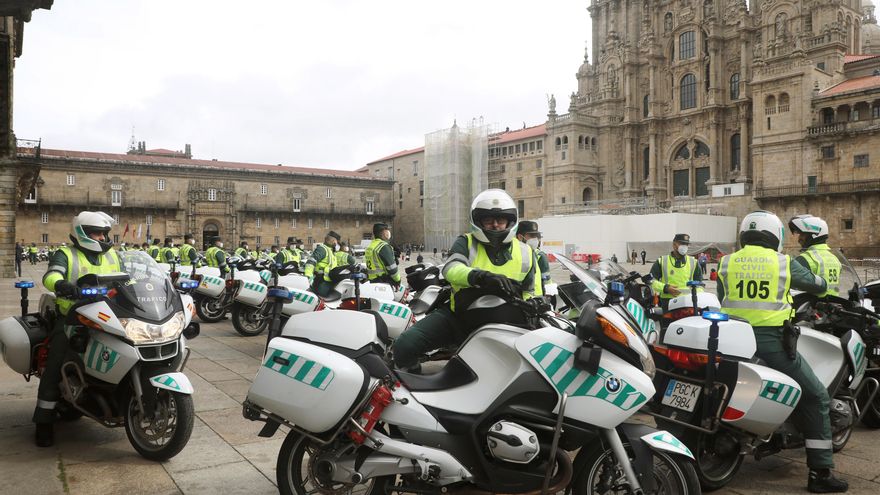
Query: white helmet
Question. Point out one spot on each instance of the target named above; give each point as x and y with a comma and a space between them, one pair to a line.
815, 227
89, 222
762, 228
494, 202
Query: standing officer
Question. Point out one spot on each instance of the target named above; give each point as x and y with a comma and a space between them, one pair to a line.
91, 252
322, 260
343, 256
379, 257
290, 254
490, 259
528, 232
242, 250
754, 283
673, 271
155, 250
815, 255
188, 254
216, 256
166, 254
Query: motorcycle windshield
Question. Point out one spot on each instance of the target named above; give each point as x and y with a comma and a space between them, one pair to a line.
611, 270
590, 282
148, 295
849, 276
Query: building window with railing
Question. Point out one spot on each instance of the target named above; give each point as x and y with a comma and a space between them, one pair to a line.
827, 152
329, 193
116, 198
860, 161
149, 220
71, 179
277, 222
45, 238
326, 223
415, 167
370, 207
160, 185
31, 198
44, 217
212, 195
311, 223
259, 240
293, 223
297, 205
539, 145
264, 189
783, 103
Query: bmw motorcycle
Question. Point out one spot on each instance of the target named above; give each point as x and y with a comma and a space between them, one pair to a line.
501, 416
127, 334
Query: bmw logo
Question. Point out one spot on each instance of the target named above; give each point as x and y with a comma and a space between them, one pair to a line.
105, 355
679, 331
612, 385
148, 286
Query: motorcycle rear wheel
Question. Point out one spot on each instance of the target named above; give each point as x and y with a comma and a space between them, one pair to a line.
715, 469
296, 474
210, 310
871, 419
246, 322
167, 433
602, 474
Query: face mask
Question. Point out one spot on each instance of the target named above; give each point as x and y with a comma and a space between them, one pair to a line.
336, 247
387, 235
682, 250
534, 242
220, 245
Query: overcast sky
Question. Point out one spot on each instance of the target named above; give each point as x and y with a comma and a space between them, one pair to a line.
332, 83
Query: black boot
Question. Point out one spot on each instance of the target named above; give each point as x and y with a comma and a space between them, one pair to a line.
45, 435
822, 481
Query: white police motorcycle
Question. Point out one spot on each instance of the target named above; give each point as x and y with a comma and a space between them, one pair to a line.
127, 333
501, 416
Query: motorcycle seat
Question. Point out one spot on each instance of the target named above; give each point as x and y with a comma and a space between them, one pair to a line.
455, 374
333, 296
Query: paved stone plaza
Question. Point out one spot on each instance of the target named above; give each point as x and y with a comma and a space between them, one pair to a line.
226, 456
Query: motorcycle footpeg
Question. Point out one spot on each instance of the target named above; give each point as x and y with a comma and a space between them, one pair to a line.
269, 429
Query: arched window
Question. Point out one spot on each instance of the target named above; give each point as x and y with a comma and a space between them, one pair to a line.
683, 153
587, 195
734, 152
645, 107
734, 86
595, 148
770, 104
646, 162
564, 139
686, 45
688, 91
580, 141
558, 143
701, 149
783, 102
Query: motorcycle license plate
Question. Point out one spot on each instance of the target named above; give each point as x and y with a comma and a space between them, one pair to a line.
681, 395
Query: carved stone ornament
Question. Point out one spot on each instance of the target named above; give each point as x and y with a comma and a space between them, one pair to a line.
685, 15
618, 179
297, 193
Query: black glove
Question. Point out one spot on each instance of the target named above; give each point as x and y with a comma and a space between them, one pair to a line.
63, 288
496, 283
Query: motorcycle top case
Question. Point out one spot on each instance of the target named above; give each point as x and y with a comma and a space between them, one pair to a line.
762, 399
212, 284
604, 399
251, 293
685, 300
368, 290
312, 387
304, 301
735, 338
294, 281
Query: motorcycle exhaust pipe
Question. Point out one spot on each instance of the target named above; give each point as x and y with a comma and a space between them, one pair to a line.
67, 392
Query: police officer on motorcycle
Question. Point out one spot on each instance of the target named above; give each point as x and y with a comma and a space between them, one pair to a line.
91, 252
343, 256
815, 254
754, 284
322, 260
242, 250
528, 232
489, 259
673, 271
379, 257
290, 254
215, 255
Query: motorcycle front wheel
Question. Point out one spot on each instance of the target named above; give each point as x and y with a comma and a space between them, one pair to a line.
210, 310
602, 474
297, 473
165, 434
248, 320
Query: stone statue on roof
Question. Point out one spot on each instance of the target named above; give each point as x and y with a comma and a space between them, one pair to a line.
552, 103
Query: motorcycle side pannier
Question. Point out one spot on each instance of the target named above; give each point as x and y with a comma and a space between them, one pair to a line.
251, 293
312, 387
18, 336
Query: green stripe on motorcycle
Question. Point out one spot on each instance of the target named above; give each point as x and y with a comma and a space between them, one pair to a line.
322, 377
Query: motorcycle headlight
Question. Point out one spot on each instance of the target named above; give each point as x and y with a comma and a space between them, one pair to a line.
648, 366
141, 332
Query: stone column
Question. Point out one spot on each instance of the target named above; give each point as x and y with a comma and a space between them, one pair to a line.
715, 157
652, 161
652, 71
745, 149
628, 161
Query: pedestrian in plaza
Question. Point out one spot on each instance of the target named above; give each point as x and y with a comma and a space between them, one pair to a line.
704, 263
614, 258
19, 253
644, 255
760, 263
319, 264
633, 257
435, 252
673, 271
420, 258
91, 253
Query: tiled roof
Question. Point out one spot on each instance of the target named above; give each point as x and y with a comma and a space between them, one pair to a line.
855, 84
399, 154
848, 59
165, 160
163, 151
528, 132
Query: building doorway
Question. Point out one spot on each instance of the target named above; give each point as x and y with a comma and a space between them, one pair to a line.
210, 231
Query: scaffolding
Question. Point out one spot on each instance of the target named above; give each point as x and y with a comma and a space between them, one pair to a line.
456, 169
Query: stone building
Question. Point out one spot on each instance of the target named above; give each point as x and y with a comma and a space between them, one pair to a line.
14, 176
160, 193
407, 169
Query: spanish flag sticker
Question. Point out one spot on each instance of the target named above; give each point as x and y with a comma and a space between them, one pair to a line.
103, 317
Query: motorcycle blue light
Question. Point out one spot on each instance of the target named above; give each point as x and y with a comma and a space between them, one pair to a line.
359, 276
616, 288
24, 284
279, 293
695, 283
715, 316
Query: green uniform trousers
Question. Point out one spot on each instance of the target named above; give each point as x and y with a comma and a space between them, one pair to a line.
49, 392
811, 414
438, 329
321, 286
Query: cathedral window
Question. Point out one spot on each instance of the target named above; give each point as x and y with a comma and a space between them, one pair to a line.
686, 45
645, 107
646, 162
683, 152
688, 92
701, 149
681, 183
734, 86
734, 152
783, 102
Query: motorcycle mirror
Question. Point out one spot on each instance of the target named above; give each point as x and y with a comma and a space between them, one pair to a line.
655, 313
587, 359
192, 330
